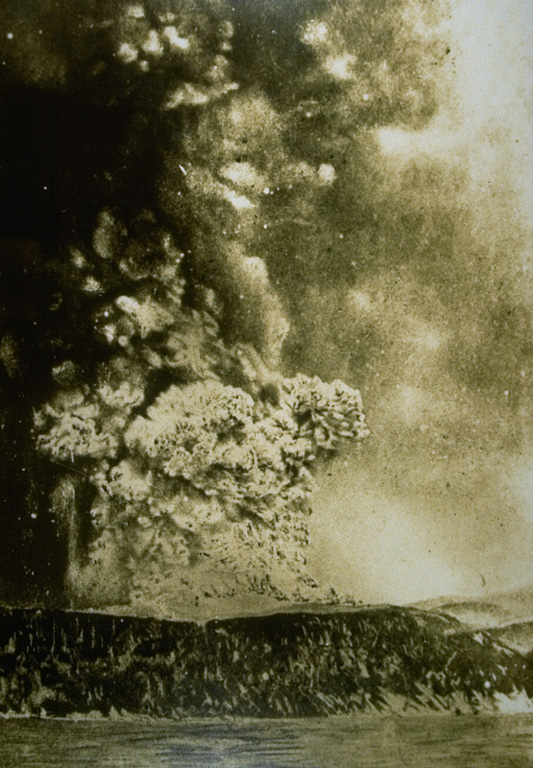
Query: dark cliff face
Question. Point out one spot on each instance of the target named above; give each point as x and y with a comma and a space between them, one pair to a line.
374, 660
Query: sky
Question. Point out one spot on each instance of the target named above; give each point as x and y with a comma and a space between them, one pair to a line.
440, 499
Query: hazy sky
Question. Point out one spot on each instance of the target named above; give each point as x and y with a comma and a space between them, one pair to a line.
440, 500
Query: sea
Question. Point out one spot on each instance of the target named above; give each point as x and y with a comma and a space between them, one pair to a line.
418, 741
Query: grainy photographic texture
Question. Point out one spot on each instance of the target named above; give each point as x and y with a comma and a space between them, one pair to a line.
265, 374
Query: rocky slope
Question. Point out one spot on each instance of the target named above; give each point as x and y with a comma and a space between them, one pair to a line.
293, 664
506, 618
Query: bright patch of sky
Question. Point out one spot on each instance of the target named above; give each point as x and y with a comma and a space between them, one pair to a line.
376, 530
487, 122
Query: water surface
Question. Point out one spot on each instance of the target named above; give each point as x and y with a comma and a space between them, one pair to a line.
466, 741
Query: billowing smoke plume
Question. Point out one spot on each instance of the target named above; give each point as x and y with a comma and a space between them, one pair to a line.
189, 208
